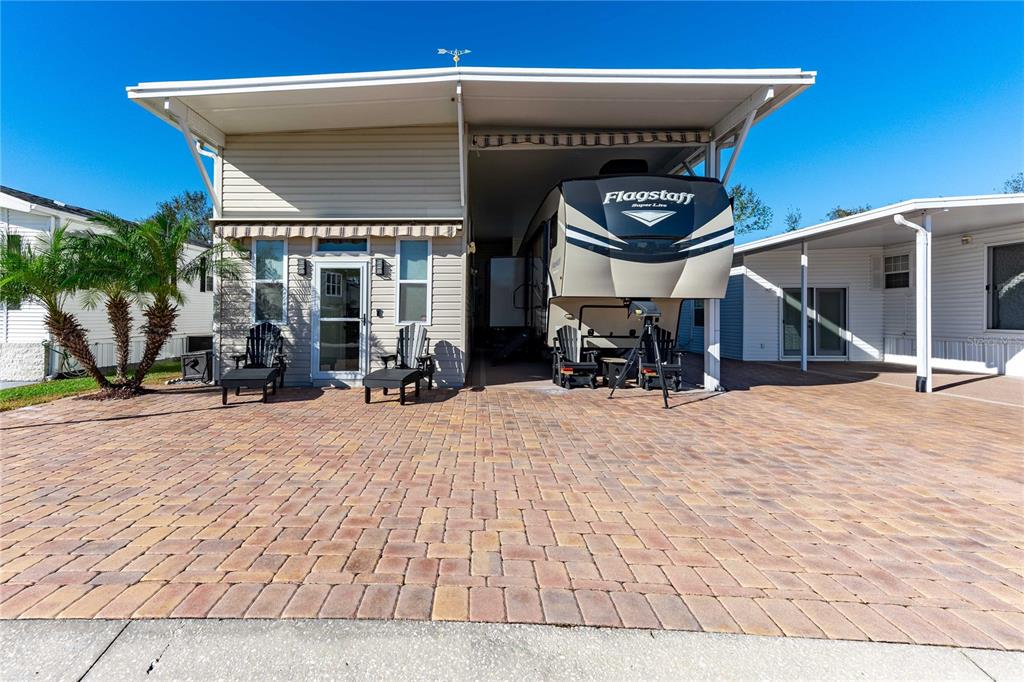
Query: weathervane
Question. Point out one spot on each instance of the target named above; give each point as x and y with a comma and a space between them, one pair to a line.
456, 54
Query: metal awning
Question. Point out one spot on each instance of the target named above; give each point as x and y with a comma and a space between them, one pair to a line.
419, 228
590, 139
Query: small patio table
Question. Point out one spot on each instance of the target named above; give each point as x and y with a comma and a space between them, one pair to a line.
392, 378
251, 377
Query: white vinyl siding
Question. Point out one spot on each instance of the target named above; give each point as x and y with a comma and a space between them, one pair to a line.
445, 332
960, 339
366, 174
768, 273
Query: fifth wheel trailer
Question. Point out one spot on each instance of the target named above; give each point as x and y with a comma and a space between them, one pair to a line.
598, 242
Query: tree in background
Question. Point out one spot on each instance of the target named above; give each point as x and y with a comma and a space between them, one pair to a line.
193, 207
793, 219
750, 214
1014, 184
840, 212
49, 274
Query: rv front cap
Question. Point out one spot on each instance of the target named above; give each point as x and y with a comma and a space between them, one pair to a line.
638, 197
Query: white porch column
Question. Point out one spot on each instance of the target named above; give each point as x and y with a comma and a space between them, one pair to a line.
924, 306
803, 306
712, 306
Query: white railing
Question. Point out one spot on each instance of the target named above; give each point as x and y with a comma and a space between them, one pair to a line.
982, 353
106, 354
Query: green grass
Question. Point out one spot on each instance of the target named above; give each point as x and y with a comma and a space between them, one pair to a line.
46, 391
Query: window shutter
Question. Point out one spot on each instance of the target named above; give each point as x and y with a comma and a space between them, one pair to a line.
877, 277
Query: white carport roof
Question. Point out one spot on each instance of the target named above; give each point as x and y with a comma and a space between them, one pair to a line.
713, 100
950, 216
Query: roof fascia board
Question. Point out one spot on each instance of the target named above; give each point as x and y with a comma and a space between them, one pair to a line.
863, 220
15, 204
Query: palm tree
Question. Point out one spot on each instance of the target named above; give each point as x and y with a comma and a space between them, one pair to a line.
166, 264
110, 268
50, 274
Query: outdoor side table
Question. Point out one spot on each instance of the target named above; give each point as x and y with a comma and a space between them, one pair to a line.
392, 378
612, 367
252, 377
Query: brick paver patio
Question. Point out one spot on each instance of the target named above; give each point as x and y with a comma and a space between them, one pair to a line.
847, 511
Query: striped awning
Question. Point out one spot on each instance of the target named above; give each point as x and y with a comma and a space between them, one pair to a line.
590, 139
418, 228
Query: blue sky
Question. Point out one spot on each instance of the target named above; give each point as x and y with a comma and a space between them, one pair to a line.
911, 100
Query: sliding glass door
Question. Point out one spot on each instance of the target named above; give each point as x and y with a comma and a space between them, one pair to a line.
826, 322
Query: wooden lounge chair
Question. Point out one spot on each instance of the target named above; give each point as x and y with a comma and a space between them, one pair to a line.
671, 361
573, 365
264, 349
412, 363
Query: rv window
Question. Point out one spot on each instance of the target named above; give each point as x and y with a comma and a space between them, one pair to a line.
270, 290
553, 232
413, 281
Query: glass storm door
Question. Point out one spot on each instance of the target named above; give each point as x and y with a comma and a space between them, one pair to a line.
829, 321
339, 321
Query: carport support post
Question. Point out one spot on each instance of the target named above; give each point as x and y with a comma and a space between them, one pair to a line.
712, 318
924, 306
803, 306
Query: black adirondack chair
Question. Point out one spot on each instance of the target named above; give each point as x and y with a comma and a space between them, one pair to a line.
412, 352
571, 363
264, 349
671, 361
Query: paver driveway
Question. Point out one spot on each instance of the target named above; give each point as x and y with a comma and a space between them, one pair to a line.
850, 511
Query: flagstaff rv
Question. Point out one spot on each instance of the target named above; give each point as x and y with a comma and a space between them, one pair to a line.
595, 243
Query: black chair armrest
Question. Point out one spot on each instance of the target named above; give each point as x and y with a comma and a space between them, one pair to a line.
238, 358
677, 356
590, 354
387, 359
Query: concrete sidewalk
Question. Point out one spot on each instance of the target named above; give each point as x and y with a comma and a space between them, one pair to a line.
343, 649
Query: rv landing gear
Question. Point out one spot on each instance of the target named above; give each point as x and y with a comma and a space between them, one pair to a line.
650, 313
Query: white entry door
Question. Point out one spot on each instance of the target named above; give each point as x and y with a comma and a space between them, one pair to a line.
340, 324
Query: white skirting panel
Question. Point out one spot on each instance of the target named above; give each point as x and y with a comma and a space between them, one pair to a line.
987, 354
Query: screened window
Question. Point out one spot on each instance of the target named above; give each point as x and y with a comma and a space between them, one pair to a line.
14, 246
897, 271
332, 245
698, 312
1006, 286
270, 290
413, 280
205, 275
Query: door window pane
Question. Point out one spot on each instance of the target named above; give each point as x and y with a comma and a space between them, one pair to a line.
269, 301
413, 263
341, 245
340, 293
1006, 287
339, 346
412, 305
791, 321
269, 259
830, 315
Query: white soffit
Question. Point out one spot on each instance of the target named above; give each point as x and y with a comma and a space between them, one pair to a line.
492, 97
950, 216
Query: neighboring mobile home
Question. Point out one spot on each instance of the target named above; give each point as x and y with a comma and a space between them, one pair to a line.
366, 201
27, 218
863, 287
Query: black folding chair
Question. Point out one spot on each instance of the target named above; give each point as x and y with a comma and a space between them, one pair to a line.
264, 349
571, 364
671, 361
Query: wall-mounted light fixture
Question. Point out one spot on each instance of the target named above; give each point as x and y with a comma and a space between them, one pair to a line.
966, 239
303, 267
380, 267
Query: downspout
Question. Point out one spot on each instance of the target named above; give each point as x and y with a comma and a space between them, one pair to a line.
923, 302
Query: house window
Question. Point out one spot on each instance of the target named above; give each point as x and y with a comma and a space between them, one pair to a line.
698, 312
897, 271
1006, 286
413, 281
13, 244
332, 245
270, 286
205, 276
